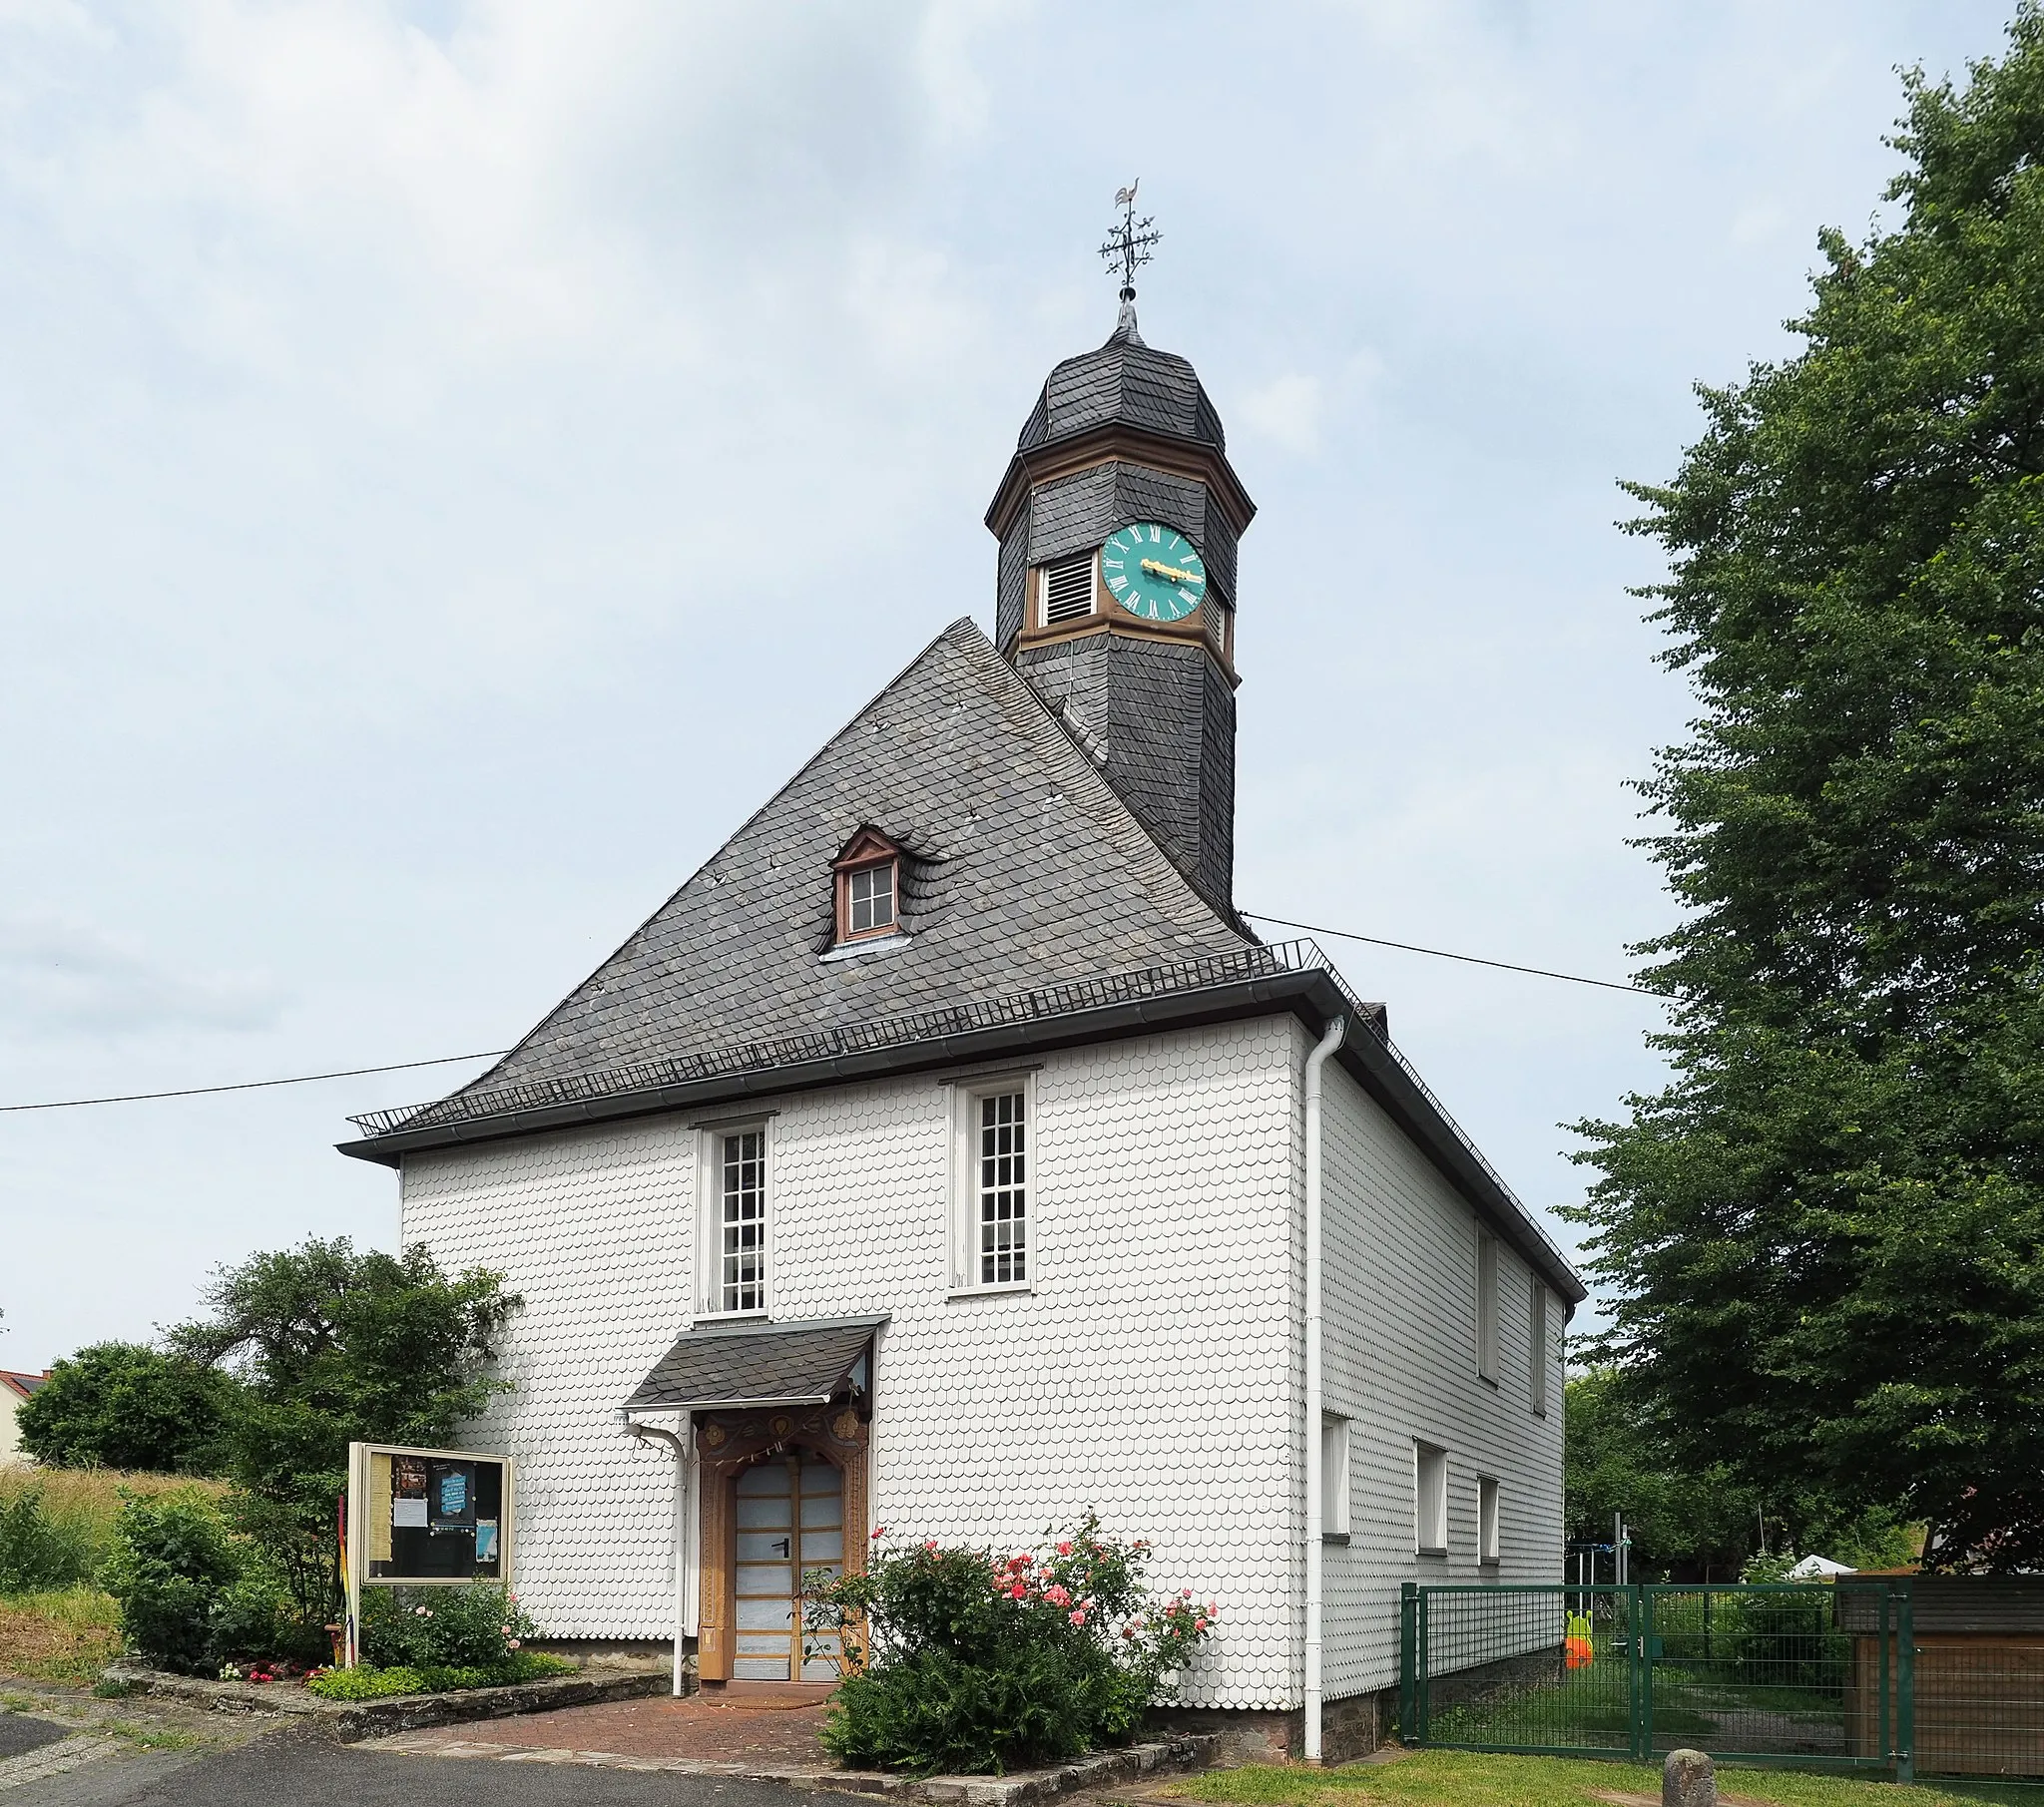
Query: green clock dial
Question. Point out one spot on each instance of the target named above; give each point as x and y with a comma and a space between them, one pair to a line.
1152, 571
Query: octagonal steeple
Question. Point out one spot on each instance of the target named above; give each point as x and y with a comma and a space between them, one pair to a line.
1125, 437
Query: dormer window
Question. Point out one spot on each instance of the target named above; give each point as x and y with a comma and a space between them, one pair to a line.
869, 887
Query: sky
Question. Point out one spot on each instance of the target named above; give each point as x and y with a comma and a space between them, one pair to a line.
459, 458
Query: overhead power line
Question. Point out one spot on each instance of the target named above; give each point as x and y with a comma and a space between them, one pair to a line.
490, 1054
1407, 947
298, 1079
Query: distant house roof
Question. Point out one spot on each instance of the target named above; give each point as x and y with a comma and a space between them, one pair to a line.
23, 1384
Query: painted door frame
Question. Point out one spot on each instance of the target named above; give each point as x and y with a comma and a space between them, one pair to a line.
728, 1443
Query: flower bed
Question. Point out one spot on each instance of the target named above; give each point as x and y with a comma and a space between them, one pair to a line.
964, 1661
367, 1682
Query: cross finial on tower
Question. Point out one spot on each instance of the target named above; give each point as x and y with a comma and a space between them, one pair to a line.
1129, 245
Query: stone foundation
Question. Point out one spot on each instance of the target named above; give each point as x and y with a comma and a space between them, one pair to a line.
1349, 1728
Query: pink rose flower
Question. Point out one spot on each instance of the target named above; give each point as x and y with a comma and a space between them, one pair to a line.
1213, 1610
1065, 1549
1057, 1596
1077, 1619
1184, 1594
879, 1532
930, 1545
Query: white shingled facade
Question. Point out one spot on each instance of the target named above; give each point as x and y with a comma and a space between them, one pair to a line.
1152, 1372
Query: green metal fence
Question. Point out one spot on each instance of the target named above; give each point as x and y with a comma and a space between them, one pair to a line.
1764, 1674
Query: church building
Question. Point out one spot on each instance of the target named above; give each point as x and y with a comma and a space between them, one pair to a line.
947, 1154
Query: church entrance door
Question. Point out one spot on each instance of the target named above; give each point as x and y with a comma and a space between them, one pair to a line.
790, 1522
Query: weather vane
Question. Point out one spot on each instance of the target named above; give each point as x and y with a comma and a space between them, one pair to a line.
1128, 247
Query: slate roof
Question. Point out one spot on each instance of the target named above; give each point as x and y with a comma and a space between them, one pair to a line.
1022, 868
1126, 383
757, 1364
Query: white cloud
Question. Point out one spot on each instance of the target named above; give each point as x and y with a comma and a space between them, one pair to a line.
63, 979
1285, 410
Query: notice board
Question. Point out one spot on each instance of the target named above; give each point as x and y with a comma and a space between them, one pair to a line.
417, 1516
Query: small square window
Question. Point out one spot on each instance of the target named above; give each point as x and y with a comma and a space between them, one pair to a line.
1487, 1532
869, 899
1429, 1499
868, 870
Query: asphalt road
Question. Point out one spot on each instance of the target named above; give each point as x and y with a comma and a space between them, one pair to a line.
294, 1768
20, 1733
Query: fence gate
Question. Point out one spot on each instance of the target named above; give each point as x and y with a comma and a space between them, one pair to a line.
1816, 1675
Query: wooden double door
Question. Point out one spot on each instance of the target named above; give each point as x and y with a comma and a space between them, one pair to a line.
784, 1495
790, 1525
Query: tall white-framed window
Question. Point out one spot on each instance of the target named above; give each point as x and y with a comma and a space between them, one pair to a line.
1486, 1307
733, 1161
1488, 1537
1536, 1346
1334, 1477
1066, 591
993, 1183
1429, 1498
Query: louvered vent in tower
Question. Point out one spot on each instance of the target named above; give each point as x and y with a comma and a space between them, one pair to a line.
1068, 590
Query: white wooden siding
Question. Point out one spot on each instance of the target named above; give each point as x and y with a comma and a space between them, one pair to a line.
1151, 1372
1401, 1362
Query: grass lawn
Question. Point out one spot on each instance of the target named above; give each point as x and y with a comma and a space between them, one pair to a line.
65, 1637
1454, 1778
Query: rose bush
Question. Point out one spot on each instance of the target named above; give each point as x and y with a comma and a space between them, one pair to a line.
966, 1660
473, 1626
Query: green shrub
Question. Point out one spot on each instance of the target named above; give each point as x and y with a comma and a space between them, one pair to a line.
39, 1551
471, 1626
371, 1683
172, 1560
962, 1661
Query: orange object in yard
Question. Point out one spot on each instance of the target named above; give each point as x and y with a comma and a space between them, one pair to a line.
1577, 1651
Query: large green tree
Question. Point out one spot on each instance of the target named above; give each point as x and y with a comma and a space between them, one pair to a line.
1697, 1522
1826, 1238
334, 1345
126, 1405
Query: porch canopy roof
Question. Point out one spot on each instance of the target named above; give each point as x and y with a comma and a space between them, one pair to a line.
805, 1363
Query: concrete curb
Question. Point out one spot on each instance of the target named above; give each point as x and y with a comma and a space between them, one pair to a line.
350, 1720
1103, 1769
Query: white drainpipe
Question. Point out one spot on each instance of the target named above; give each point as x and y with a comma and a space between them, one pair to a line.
1313, 1063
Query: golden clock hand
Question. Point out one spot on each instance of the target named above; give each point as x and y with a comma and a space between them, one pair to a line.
1168, 570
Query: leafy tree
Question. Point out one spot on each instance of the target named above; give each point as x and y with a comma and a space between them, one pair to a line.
1826, 1236
335, 1346
124, 1405
1697, 1523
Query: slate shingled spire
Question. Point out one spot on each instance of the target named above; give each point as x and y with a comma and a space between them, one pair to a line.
1121, 434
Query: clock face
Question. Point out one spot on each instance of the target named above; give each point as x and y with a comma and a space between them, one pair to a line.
1152, 571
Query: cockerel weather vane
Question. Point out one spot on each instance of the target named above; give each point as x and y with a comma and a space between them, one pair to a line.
1129, 246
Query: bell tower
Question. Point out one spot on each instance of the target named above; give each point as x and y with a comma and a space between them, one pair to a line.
1118, 521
